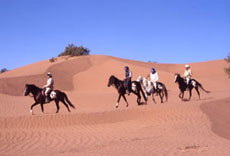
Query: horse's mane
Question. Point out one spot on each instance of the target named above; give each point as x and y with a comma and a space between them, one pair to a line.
116, 79
32, 86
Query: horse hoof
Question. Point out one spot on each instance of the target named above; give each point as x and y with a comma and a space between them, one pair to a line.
31, 111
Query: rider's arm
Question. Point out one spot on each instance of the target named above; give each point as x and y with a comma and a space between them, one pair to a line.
156, 78
130, 74
185, 73
190, 72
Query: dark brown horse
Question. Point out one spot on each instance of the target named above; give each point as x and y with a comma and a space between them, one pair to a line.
39, 98
192, 84
119, 85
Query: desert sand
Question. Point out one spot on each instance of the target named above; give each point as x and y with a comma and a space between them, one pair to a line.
96, 127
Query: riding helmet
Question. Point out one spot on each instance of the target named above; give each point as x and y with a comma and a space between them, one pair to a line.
49, 74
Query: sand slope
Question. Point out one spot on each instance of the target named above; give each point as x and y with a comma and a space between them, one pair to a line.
96, 127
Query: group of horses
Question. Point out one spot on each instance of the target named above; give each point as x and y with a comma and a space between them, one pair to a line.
141, 86
150, 90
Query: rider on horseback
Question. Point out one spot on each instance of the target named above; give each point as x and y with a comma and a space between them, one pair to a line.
153, 78
48, 87
187, 74
127, 80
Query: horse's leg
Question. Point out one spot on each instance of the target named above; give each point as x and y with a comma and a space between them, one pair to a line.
125, 100
153, 98
42, 108
138, 96
181, 95
118, 100
31, 108
197, 90
161, 97
63, 101
57, 104
190, 93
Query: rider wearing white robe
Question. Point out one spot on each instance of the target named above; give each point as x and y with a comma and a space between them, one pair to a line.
49, 86
153, 77
187, 73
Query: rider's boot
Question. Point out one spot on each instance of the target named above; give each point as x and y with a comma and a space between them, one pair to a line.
47, 99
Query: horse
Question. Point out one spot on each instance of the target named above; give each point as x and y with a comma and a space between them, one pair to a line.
119, 85
183, 86
39, 97
150, 90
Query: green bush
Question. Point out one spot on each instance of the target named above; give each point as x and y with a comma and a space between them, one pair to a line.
72, 50
3, 70
52, 59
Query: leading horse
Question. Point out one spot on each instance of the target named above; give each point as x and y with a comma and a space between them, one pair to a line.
39, 98
183, 86
119, 85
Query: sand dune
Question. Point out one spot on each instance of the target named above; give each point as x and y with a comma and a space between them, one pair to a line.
96, 127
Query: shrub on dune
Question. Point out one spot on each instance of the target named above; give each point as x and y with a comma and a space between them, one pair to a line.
72, 50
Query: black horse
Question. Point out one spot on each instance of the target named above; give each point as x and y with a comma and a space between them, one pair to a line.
119, 85
39, 98
192, 84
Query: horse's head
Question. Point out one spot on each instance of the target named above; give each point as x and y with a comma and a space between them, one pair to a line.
27, 90
30, 88
111, 80
176, 77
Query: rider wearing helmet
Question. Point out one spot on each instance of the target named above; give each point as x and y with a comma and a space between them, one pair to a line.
127, 80
187, 73
49, 86
153, 77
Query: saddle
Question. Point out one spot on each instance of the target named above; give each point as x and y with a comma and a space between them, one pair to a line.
52, 94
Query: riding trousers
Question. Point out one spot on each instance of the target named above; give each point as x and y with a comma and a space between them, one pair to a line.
127, 84
48, 90
187, 80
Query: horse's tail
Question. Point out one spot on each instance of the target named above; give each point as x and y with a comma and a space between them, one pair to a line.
164, 90
199, 85
142, 92
66, 98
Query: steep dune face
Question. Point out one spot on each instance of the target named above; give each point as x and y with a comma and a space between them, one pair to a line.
62, 71
96, 127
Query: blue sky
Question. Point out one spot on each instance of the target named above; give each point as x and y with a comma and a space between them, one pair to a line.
164, 31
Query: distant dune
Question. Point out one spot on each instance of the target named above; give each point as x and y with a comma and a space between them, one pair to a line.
96, 127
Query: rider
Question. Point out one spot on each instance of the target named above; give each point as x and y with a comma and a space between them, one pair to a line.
49, 86
127, 80
187, 73
153, 77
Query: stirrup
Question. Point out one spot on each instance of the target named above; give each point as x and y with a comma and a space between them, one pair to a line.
47, 100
